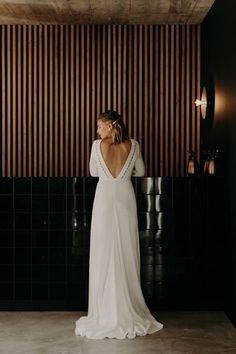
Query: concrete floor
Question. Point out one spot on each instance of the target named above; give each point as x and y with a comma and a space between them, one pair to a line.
188, 332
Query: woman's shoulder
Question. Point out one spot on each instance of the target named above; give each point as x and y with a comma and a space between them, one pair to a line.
96, 141
134, 141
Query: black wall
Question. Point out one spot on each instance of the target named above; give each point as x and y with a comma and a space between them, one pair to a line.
219, 130
45, 240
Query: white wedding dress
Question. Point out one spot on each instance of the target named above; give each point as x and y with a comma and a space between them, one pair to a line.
116, 308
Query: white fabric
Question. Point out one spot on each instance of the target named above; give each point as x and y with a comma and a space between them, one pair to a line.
117, 308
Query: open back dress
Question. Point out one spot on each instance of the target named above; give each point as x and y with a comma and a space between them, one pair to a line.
116, 306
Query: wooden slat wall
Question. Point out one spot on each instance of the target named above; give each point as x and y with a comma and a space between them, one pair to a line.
56, 79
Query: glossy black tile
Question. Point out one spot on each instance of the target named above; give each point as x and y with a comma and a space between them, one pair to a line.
146, 238
57, 273
57, 204
163, 202
40, 291
40, 204
40, 238
163, 219
164, 238
23, 221
163, 185
6, 185
147, 289
180, 202
180, 186
146, 256
75, 186
6, 238
78, 292
90, 185
40, 273
40, 185
75, 202
22, 185
22, 238
6, 255
6, 273
145, 185
57, 221
22, 291
76, 273
22, 255
7, 291
77, 220
57, 185
6, 203
23, 203
147, 272
159, 272
22, 273
6, 221
57, 255
40, 221
145, 203
40, 255
145, 221
181, 228
57, 238
88, 201
57, 290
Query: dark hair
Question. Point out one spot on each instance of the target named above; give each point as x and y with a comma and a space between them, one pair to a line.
119, 132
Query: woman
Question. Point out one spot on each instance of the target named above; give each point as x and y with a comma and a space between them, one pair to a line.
117, 308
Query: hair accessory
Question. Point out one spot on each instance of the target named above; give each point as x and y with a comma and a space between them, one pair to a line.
115, 121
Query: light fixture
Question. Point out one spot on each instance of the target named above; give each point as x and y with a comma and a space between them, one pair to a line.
203, 103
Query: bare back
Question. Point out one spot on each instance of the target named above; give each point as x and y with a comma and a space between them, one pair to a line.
115, 155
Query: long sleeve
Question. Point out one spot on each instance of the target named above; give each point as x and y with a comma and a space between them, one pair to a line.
139, 167
92, 162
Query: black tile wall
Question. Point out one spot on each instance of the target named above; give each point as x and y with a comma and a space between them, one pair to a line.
45, 238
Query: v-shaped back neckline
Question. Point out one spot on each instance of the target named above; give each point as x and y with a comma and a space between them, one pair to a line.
124, 165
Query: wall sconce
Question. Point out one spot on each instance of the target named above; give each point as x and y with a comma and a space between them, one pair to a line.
203, 103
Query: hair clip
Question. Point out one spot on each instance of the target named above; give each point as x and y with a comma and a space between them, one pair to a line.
115, 121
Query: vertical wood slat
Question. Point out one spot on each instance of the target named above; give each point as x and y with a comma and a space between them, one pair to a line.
82, 92
3, 90
40, 95
187, 101
52, 103
177, 104
167, 102
14, 103
19, 108
161, 117
88, 102
46, 102
29, 98
156, 132
35, 99
182, 116
61, 130
198, 88
66, 114
172, 102
9, 147
150, 103
56, 79
146, 125
24, 99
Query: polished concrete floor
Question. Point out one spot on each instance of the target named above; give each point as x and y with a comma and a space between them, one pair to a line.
188, 332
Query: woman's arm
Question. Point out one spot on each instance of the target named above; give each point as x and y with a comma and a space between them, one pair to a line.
139, 167
92, 162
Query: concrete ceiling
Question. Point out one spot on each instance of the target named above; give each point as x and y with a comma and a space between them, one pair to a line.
103, 11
